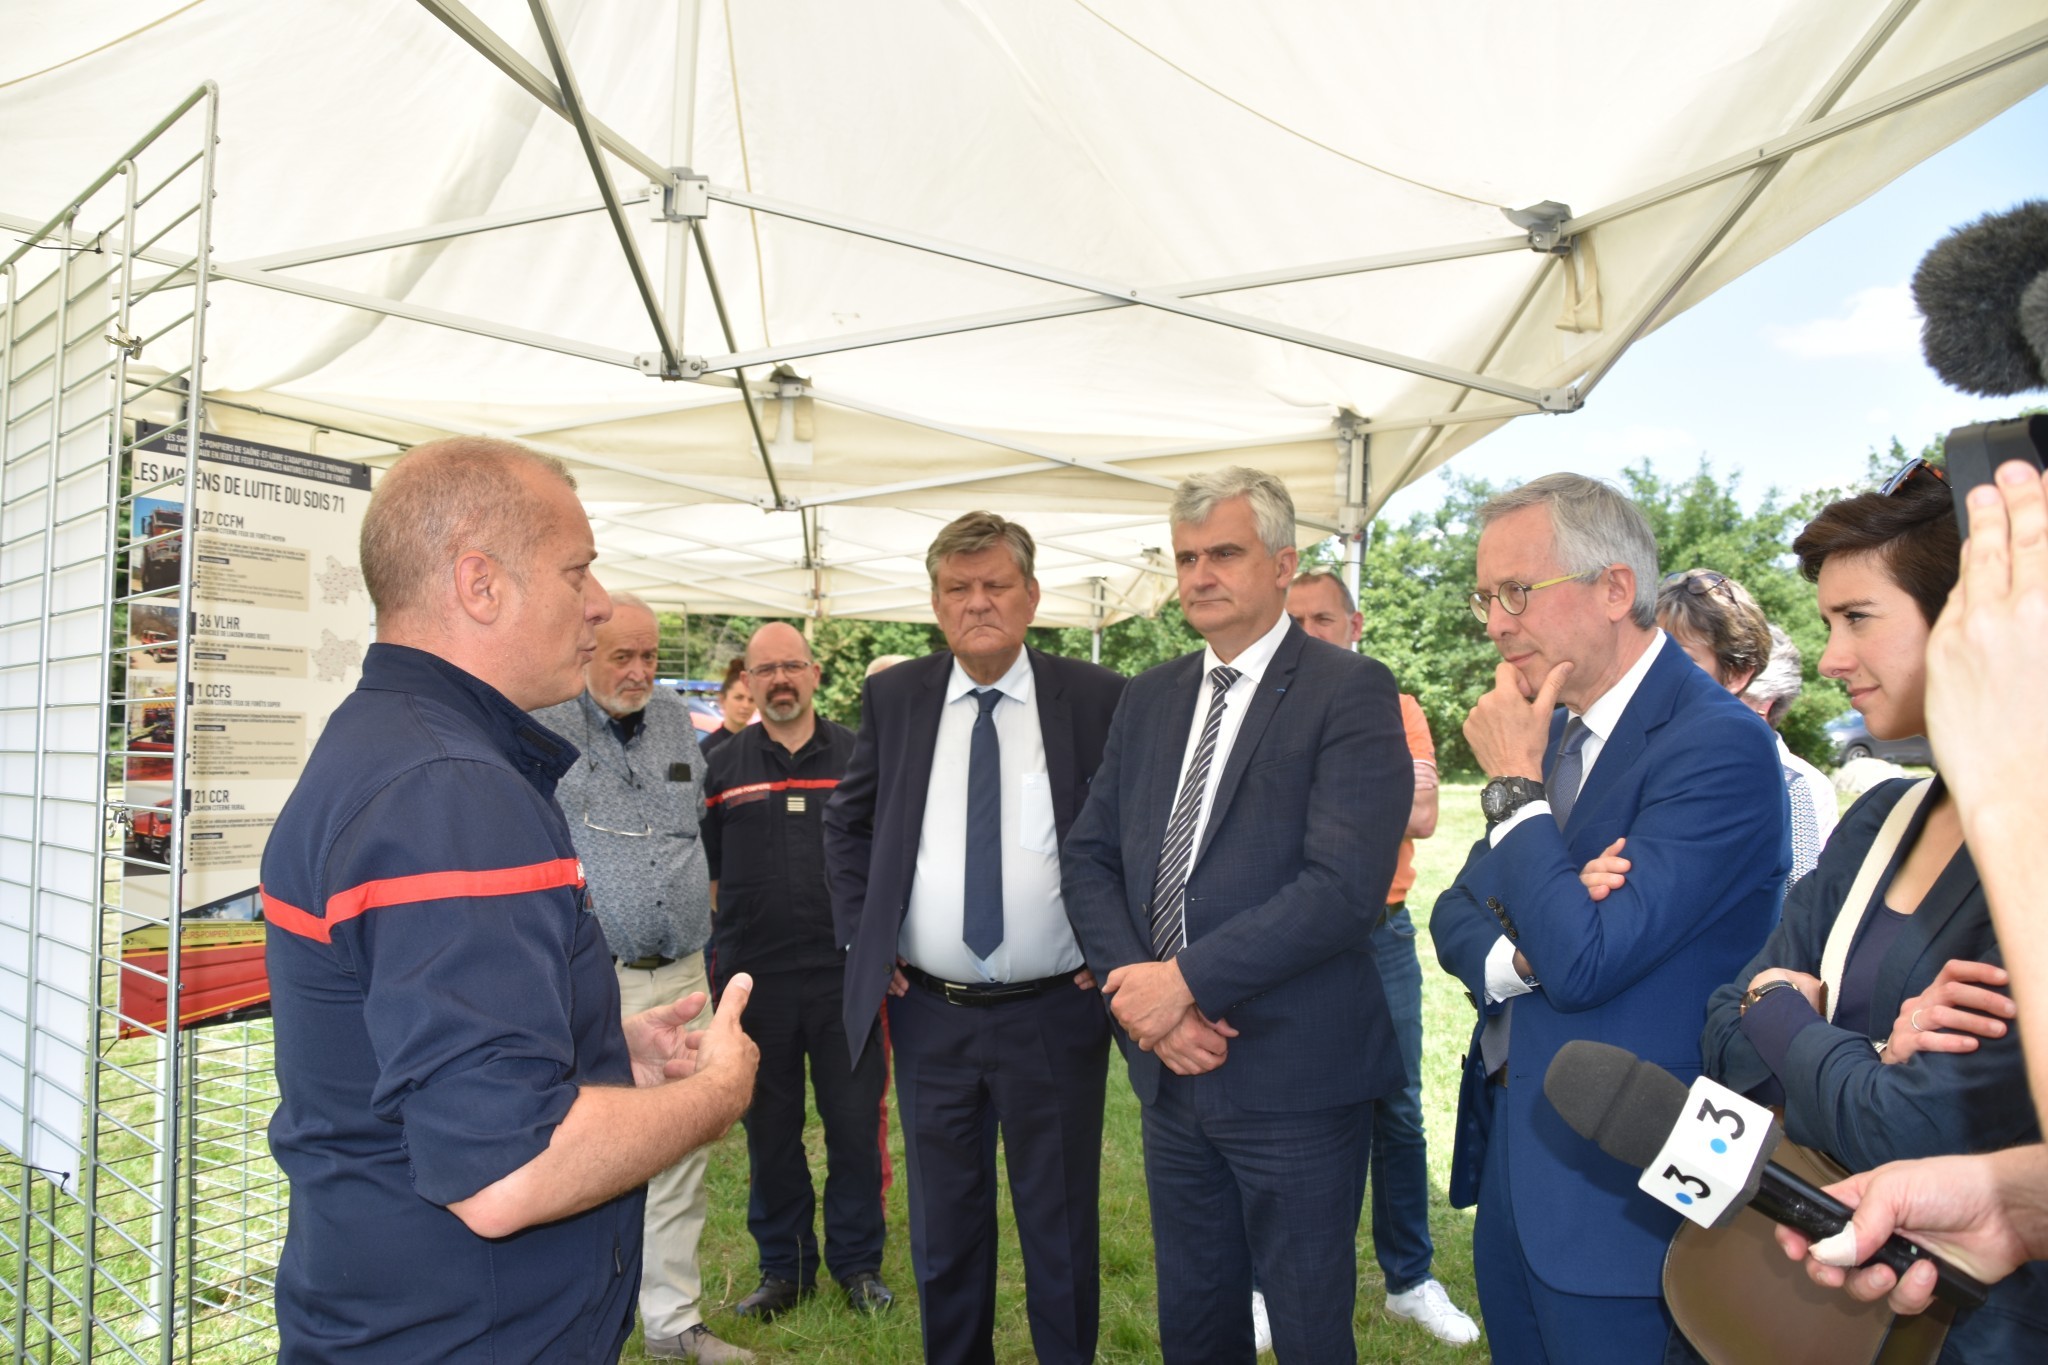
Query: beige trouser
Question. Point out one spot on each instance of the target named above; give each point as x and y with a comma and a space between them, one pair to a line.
676, 1200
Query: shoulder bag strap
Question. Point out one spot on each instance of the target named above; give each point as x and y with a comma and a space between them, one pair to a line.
1879, 857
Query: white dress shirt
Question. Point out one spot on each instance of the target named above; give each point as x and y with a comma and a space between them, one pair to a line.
1037, 940
1502, 980
1251, 667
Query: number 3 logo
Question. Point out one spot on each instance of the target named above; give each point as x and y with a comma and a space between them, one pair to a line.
1673, 1173
1709, 1114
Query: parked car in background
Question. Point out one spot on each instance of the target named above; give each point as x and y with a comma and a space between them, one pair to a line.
702, 700
1853, 740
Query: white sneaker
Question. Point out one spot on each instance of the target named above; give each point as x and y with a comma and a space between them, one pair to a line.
1262, 1326
1428, 1304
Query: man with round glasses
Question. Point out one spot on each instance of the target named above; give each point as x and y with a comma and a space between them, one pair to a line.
634, 802
1601, 739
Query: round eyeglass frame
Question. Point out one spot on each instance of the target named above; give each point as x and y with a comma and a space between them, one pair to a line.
1513, 596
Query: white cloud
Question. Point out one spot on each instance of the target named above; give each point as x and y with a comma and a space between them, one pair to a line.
1880, 321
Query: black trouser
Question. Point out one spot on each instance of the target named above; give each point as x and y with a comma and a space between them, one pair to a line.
1035, 1067
792, 1016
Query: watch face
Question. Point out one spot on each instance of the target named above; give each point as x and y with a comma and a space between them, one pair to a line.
1504, 796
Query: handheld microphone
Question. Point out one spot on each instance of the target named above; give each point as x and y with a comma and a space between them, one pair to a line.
1636, 1113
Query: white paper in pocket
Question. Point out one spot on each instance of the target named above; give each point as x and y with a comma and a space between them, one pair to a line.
1035, 830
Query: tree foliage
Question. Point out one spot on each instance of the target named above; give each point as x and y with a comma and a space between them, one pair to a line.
1413, 586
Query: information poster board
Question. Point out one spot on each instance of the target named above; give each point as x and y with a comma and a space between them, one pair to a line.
280, 622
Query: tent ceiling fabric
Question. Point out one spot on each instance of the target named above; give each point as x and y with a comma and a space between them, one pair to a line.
1101, 165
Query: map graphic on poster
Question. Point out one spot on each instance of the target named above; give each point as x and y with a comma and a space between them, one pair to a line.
280, 623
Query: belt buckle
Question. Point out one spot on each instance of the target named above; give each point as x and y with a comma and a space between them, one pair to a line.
953, 993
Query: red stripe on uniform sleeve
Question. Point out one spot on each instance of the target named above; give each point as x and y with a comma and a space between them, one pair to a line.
424, 886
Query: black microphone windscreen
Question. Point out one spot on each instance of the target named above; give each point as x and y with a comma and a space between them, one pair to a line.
1968, 291
2034, 318
1610, 1096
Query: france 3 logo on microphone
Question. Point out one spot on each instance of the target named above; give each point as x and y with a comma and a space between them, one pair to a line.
1704, 1168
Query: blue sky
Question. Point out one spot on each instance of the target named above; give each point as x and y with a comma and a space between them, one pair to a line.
1791, 374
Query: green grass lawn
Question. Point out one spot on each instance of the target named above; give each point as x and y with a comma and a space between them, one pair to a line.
824, 1330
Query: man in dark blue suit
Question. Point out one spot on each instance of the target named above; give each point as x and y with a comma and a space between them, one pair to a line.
942, 845
1225, 879
1651, 760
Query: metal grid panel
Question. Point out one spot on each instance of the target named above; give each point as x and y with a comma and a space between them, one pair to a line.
140, 1214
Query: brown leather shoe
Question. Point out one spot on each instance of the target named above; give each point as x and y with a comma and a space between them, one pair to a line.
775, 1296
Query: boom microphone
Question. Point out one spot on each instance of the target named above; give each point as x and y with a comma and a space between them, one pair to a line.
1969, 290
1638, 1113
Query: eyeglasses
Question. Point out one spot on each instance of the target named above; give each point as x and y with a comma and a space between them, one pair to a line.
1915, 468
1700, 582
794, 668
1514, 597
646, 831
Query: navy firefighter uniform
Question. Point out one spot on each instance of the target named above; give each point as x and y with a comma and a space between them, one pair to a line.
441, 993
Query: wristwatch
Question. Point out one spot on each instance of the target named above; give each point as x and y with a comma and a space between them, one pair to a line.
1756, 993
1504, 796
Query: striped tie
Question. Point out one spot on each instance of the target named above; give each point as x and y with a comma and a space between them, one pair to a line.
1169, 887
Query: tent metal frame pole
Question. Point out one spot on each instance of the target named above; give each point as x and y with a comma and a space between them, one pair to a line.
1981, 62
181, 269
421, 236
746, 394
502, 55
682, 137
1746, 193
595, 461
1433, 428
1040, 467
1555, 400
573, 109
1009, 317
1051, 457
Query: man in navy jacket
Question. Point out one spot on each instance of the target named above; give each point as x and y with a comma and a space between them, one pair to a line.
1225, 880
942, 844
464, 1123
1650, 759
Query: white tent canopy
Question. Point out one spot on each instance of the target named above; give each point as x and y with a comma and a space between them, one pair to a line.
1043, 256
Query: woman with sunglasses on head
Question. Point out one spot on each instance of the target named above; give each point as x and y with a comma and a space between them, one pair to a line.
1873, 1013
1721, 628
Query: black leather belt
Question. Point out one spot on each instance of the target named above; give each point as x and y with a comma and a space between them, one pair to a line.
985, 992
1388, 911
652, 962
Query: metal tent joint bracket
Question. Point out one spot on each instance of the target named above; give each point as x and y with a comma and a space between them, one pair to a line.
1560, 400
684, 198
1544, 223
655, 365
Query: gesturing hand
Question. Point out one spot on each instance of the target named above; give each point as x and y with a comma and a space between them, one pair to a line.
1958, 1008
1508, 728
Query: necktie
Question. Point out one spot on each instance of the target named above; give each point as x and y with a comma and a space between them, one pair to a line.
1562, 790
1805, 827
1176, 856
981, 903
1566, 776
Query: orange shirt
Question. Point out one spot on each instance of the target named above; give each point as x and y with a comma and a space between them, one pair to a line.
1422, 749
